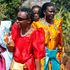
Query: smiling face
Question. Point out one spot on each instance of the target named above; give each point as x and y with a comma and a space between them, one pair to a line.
23, 19
50, 12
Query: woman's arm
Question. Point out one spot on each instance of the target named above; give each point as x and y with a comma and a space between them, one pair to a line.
38, 64
38, 40
9, 43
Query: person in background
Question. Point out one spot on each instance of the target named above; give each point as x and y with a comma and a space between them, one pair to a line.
53, 36
5, 53
36, 15
36, 12
28, 42
54, 44
37, 23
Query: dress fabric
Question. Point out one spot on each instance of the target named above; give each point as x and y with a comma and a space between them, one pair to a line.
28, 47
2, 63
53, 41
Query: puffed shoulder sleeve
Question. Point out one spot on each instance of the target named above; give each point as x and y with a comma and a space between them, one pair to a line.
14, 31
38, 41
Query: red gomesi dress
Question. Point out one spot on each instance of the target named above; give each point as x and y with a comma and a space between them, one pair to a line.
28, 47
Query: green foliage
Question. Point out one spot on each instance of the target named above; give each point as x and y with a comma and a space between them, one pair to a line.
62, 3
66, 28
8, 8
63, 9
2, 10
12, 6
59, 14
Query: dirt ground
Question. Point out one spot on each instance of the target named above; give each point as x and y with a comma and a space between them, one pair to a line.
66, 62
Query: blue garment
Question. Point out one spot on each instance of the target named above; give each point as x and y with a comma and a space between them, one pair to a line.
7, 55
3, 30
51, 56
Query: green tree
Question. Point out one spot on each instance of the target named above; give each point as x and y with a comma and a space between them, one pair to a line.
2, 10
63, 10
8, 8
62, 3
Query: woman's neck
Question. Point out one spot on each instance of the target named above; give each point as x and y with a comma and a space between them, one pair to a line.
25, 29
49, 21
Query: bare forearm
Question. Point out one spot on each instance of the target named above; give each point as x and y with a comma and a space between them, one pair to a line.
38, 65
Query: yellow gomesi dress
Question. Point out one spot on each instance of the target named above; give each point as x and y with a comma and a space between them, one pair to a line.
53, 38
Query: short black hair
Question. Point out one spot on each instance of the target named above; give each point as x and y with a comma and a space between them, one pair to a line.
36, 6
44, 7
39, 7
28, 10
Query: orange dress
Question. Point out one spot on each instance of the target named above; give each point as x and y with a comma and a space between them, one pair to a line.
53, 34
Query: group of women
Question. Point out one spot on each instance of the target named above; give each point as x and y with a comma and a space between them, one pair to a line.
36, 38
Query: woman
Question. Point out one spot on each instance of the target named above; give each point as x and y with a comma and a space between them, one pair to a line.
53, 36
37, 23
36, 16
29, 43
36, 12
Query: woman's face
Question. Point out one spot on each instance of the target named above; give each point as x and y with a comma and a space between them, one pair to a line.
22, 19
36, 14
50, 12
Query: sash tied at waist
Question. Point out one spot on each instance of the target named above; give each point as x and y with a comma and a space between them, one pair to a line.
51, 56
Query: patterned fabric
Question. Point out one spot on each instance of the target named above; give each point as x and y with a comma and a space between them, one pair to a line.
53, 35
29, 46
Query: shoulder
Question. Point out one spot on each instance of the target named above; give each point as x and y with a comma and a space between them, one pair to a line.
15, 24
58, 22
37, 24
38, 31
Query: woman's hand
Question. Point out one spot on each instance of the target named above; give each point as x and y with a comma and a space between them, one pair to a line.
9, 42
10, 46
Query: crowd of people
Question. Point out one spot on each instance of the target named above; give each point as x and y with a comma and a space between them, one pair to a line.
34, 41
